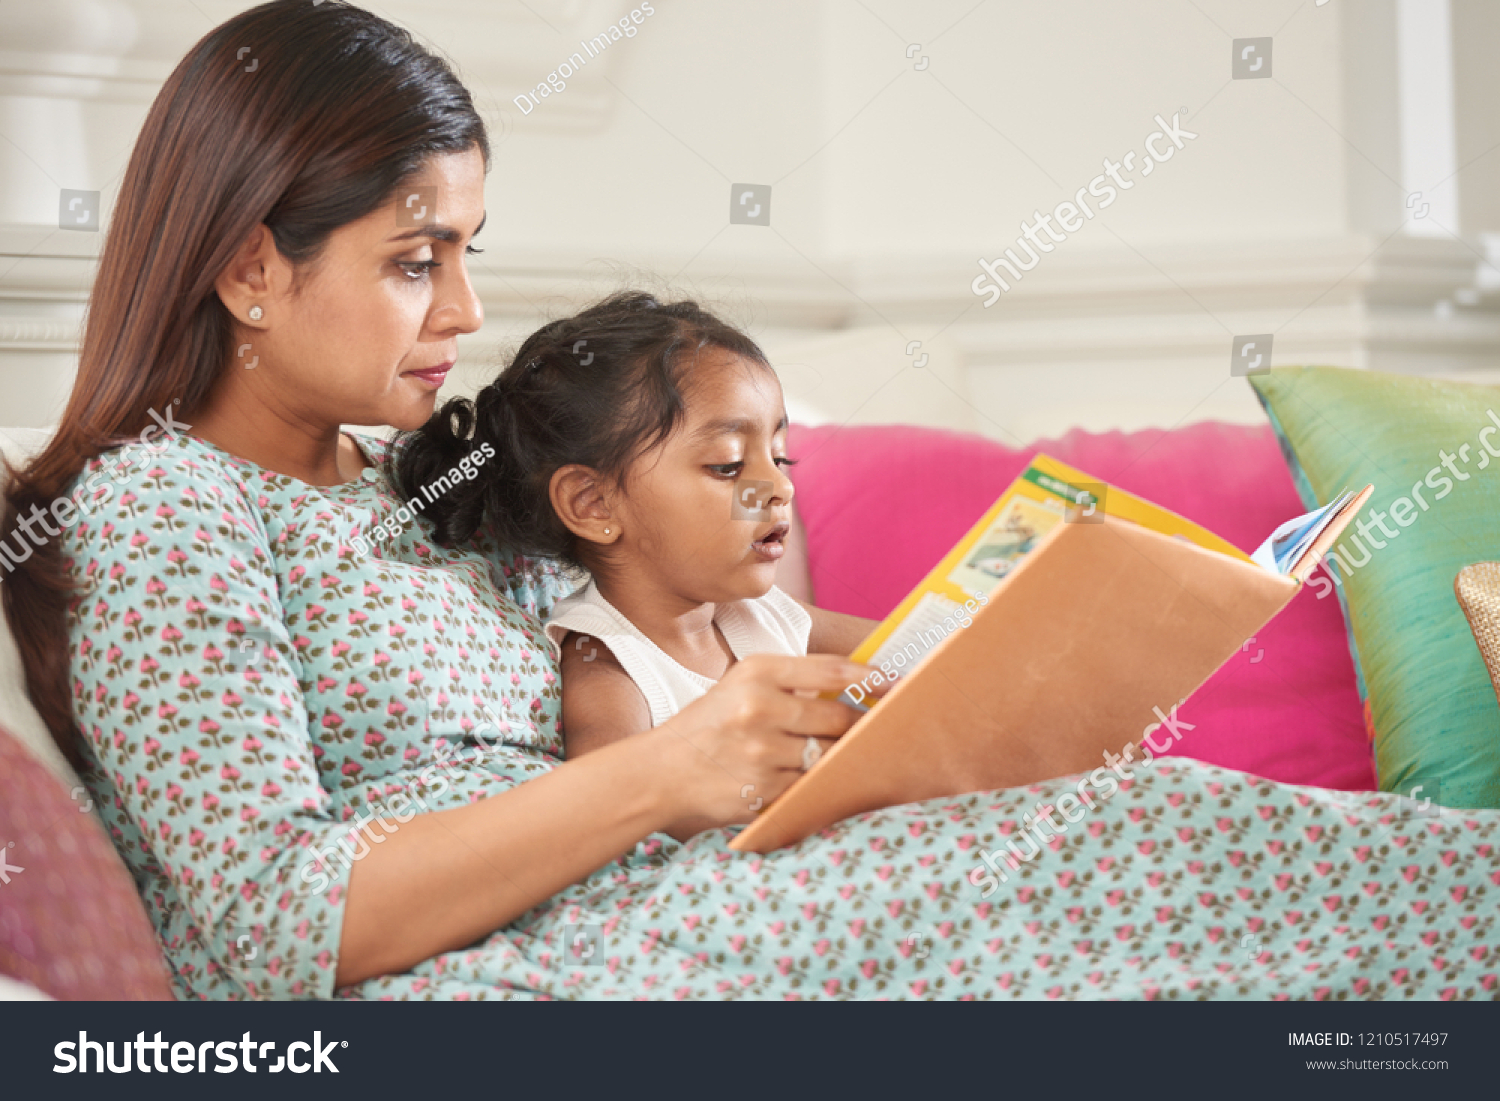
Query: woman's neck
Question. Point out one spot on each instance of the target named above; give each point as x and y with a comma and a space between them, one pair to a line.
319, 456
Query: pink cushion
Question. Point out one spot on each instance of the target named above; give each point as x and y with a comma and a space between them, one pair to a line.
881, 504
71, 923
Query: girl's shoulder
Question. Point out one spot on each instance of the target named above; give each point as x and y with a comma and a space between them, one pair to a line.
773, 623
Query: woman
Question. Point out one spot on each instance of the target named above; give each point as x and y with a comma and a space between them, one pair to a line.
337, 771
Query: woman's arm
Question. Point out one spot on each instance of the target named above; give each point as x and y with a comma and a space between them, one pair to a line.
447, 878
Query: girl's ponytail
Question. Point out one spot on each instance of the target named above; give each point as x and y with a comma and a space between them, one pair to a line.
427, 457
516, 480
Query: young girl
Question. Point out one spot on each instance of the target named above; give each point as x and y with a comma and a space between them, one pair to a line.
645, 443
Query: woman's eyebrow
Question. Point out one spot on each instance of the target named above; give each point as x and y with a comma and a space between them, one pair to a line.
439, 232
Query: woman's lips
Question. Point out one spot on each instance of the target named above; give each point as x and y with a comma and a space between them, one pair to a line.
433, 376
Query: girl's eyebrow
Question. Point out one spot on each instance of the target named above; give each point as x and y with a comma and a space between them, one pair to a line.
730, 426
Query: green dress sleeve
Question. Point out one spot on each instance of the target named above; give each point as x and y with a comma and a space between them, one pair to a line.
186, 689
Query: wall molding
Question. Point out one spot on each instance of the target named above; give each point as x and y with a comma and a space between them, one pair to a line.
1082, 304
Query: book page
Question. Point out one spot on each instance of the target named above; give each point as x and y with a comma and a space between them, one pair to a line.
929, 622
1045, 494
1288, 543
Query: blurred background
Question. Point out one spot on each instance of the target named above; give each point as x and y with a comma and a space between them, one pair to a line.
1339, 195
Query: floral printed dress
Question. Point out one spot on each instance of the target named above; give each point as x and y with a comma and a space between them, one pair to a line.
262, 702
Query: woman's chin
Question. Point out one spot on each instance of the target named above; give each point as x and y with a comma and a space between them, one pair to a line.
410, 416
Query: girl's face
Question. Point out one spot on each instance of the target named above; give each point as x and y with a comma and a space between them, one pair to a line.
707, 512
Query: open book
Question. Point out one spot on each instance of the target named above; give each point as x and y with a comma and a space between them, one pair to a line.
1069, 620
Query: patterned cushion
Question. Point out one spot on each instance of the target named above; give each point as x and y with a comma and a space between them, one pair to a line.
71, 923
17, 715
1478, 589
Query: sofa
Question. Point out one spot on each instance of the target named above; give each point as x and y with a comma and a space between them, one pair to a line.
71, 923
1286, 707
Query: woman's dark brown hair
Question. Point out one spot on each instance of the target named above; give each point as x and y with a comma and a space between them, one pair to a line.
318, 123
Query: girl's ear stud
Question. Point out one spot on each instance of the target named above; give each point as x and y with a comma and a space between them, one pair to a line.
606, 531
256, 313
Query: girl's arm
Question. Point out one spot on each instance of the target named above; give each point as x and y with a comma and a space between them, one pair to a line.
600, 703
835, 632
832, 632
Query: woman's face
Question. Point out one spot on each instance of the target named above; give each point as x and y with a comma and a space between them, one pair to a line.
374, 327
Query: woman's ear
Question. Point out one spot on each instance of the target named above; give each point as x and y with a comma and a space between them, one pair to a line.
580, 501
247, 281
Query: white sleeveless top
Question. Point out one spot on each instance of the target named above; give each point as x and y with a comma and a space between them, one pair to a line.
771, 624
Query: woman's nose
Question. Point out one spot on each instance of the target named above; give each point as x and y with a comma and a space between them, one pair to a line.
460, 308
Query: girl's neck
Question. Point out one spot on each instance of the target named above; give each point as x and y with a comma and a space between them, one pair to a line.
683, 629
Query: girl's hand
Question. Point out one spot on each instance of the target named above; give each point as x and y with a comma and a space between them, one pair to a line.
738, 747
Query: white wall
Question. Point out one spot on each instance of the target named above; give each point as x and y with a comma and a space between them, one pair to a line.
1286, 214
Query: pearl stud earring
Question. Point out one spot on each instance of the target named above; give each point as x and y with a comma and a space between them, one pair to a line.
606, 531
256, 313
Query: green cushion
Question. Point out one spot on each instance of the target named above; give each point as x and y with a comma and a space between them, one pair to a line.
1429, 706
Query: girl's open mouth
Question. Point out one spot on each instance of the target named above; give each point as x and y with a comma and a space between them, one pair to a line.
772, 543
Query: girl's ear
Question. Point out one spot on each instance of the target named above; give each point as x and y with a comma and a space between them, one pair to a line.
578, 498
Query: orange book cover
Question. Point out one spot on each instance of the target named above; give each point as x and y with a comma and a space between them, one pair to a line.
1090, 639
